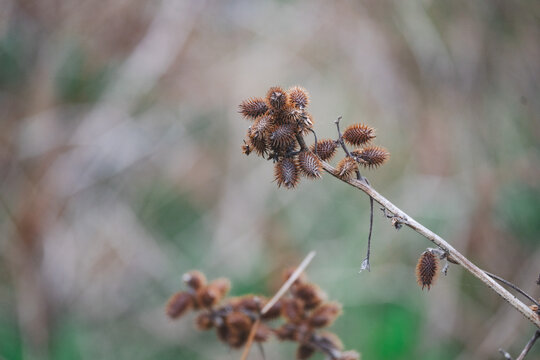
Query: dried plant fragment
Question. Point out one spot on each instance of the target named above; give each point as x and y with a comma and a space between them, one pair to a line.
309, 293
286, 173
178, 304
283, 136
309, 164
277, 97
304, 352
194, 279
346, 168
325, 315
427, 269
326, 149
358, 134
260, 127
299, 97
253, 108
371, 156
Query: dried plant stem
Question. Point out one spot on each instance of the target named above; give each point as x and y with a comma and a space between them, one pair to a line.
282, 290
529, 345
506, 282
440, 242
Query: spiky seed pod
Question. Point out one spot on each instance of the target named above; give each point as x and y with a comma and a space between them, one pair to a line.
349, 355
293, 310
259, 144
325, 149
247, 302
238, 326
238, 321
286, 173
214, 292
204, 321
299, 97
194, 279
261, 126
274, 312
371, 156
179, 304
346, 168
253, 107
277, 97
309, 293
330, 339
304, 352
309, 164
358, 134
287, 332
324, 315
283, 136
427, 269
263, 332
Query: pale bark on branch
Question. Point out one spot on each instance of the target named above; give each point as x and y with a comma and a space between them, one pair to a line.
455, 255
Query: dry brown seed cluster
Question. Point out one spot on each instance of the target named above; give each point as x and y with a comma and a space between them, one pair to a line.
304, 312
279, 122
427, 269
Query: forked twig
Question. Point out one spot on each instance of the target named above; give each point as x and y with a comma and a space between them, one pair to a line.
282, 290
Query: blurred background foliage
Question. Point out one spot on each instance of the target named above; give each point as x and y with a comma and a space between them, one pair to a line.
120, 169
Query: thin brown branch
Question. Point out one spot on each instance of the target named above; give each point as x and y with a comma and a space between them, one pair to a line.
249, 342
506, 282
440, 242
282, 290
529, 345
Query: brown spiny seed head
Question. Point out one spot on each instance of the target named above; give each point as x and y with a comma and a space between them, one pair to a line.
208, 297
204, 321
274, 311
286, 173
263, 333
371, 156
259, 144
325, 149
287, 332
349, 355
222, 331
358, 134
346, 168
304, 351
299, 97
309, 165
194, 279
238, 321
293, 310
217, 289
427, 269
179, 304
331, 340
309, 293
261, 126
277, 97
283, 136
253, 107
325, 314
247, 302
287, 273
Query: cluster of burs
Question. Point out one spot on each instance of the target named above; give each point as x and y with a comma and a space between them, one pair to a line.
279, 123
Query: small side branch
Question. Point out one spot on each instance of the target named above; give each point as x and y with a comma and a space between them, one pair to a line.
441, 243
506, 282
525, 350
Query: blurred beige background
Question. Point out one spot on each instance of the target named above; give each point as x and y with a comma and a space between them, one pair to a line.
121, 169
